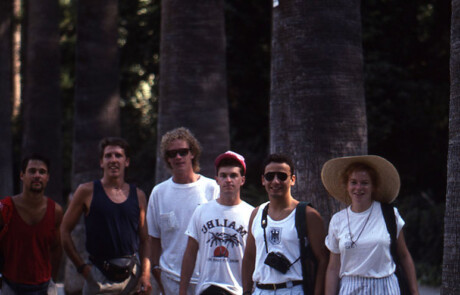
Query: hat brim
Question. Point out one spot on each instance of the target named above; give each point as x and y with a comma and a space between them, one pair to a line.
388, 177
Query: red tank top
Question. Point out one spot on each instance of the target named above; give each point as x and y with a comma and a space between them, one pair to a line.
26, 248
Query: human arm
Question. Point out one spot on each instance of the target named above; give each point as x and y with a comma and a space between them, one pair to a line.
332, 274
155, 259
316, 236
249, 258
78, 205
143, 286
188, 265
56, 246
407, 263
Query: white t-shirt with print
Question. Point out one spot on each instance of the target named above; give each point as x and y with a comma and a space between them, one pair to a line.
221, 232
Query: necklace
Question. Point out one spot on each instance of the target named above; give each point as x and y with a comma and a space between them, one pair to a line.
353, 243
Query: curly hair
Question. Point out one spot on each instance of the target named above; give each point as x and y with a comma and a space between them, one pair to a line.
182, 133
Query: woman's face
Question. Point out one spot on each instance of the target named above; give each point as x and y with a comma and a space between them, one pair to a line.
359, 188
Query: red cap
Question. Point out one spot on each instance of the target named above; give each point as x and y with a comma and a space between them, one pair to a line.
231, 155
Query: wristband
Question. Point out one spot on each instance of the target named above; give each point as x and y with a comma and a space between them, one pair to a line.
81, 267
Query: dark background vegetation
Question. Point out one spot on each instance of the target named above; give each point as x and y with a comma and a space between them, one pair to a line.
406, 53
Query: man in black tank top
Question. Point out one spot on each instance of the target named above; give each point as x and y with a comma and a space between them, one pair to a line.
116, 231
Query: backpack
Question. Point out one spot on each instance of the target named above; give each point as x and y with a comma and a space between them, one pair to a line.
308, 259
390, 221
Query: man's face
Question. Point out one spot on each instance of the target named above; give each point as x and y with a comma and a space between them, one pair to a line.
179, 156
36, 176
114, 161
277, 179
229, 179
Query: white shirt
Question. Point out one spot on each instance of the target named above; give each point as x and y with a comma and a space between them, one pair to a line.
370, 256
281, 237
221, 232
169, 210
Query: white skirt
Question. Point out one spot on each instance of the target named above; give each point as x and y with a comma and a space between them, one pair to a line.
354, 285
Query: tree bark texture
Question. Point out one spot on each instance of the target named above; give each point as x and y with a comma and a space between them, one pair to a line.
97, 99
6, 151
451, 255
317, 106
41, 104
97, 103
193, 89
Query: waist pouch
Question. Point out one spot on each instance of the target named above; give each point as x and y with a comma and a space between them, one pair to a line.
116, 269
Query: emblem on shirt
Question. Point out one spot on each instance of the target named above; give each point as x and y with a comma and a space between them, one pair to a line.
223, 234
275, 235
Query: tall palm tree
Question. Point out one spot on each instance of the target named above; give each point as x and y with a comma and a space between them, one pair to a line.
97, 99
451, 259
41, 104
193, 76
317, 107
97, 102
6, 152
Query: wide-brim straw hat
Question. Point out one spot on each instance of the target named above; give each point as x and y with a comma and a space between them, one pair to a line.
387, 177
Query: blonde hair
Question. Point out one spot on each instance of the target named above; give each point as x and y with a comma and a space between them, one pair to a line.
182, 133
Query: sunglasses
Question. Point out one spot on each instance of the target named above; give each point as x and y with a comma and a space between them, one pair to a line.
269, 176
173, 153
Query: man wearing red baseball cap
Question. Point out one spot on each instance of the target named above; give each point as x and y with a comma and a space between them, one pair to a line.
217, 233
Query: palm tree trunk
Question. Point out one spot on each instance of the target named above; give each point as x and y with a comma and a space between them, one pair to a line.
6, 150
97, 99
451, 258
97, 103
193, 89
41, 105
317, 107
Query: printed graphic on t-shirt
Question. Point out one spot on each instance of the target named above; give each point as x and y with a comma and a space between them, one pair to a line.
275, 235
222, 236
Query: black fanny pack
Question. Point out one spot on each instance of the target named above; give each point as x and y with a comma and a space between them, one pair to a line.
116, 269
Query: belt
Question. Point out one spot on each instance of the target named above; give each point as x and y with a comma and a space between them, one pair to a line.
278, 286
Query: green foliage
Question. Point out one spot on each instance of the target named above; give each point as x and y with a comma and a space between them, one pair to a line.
139, 60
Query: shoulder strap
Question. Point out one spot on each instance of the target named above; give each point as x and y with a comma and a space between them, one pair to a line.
307, 258
390, 221
300, 223
263, 222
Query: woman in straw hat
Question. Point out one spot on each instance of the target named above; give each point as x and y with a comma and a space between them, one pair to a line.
358, 237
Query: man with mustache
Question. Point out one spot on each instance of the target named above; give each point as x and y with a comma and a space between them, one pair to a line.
116, 230
29, 233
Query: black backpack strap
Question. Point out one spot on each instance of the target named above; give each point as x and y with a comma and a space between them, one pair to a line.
308, 259
301, 225
263, 222
390, 221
